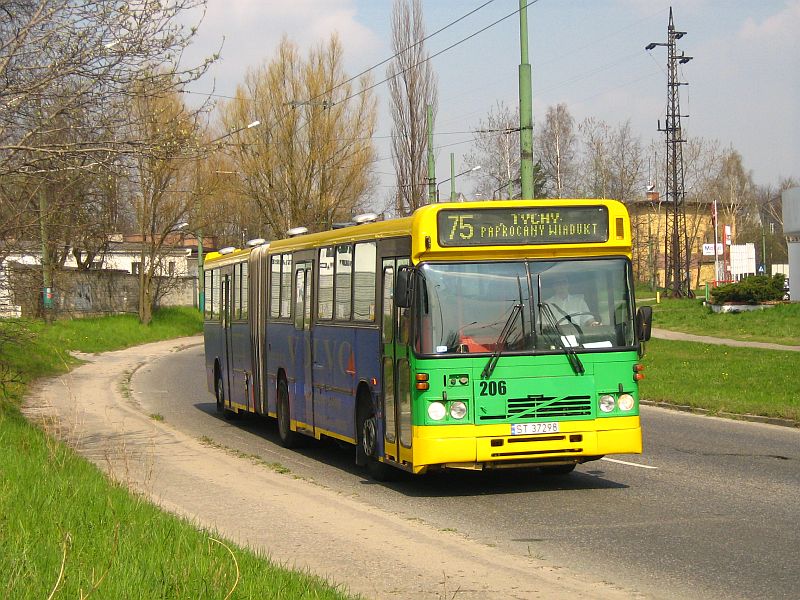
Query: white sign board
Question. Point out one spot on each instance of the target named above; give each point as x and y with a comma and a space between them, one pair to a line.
743, 259
708, 249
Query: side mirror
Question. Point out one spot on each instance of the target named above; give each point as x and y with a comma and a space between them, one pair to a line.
644, 322
404, 287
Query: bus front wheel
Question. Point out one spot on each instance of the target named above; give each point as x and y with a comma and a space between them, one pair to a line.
289, 438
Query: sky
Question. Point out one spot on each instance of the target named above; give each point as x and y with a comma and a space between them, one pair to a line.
744, 79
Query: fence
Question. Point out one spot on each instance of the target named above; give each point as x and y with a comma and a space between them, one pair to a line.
88, 293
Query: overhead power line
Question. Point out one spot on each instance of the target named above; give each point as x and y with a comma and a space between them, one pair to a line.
376, 65
432, 56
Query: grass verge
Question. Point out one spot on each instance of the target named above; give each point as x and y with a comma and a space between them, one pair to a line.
66, 531
723, 378
778, 325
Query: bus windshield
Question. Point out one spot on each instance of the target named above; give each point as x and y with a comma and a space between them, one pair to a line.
544, 305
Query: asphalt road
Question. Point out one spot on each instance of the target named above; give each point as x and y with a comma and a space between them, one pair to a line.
710, 510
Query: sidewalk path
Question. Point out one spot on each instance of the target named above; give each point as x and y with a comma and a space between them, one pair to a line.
664, 334
297, 523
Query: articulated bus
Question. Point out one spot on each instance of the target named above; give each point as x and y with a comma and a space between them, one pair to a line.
474, 335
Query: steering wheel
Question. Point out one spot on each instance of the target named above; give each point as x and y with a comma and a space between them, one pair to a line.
571, 315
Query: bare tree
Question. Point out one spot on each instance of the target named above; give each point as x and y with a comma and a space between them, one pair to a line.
162, 181
556, 146
412, 89
308, 163
67, 71
61, 57
734, 191
613, 163
496, 150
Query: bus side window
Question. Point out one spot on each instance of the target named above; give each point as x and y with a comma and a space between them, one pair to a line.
243, 295
343, 282
364, 282
216, 305
299, 298
286, 285
208, 284
388, 304
275, 286
325, 293
236, 278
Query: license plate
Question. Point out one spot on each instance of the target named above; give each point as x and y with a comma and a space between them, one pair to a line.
533, 428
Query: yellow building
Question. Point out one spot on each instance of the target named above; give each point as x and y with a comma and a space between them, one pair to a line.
650, 237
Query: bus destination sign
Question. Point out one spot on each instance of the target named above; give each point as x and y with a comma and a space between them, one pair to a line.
523, 226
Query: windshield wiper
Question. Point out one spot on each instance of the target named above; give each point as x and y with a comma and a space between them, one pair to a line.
501, 341
569, 350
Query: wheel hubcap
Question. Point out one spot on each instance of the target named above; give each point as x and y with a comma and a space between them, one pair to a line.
369, 436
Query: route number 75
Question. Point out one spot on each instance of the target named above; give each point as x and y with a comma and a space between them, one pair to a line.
461, 227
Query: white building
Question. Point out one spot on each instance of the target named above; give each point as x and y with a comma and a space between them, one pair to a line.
178, 261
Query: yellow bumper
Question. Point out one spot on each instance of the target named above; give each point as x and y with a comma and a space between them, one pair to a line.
471, 446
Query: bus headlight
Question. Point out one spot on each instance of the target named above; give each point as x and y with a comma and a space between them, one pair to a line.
458, 410
436, 411
625, 402
606, 403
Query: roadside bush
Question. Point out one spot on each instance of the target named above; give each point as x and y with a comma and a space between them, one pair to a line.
750, 290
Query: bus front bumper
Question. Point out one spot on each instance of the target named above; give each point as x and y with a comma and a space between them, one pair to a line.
492, 446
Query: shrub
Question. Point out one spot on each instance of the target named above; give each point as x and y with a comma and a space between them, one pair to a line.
751, 290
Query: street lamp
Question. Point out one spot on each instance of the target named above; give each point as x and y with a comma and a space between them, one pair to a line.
201, 282
255, 123
504, 186
452, 179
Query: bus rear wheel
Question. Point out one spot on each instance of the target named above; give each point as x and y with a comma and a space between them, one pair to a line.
368, 442
289, 438
219, 389
220, 394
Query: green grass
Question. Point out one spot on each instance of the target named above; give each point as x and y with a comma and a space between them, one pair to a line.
65, 527
723, 378
34, 349
780, 325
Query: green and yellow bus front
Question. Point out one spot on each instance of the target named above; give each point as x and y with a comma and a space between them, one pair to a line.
526, 340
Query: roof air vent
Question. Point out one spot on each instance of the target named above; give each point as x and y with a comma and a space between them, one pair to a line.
255, 242
297, 231
365, 218
226, 250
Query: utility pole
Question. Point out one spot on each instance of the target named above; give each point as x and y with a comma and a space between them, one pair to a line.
525, 107
431, 160
201, 281
677, 253
47, 268
452, 177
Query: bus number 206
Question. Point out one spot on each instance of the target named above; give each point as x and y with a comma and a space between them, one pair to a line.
493, 388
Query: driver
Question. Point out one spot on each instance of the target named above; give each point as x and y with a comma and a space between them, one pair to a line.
569, 307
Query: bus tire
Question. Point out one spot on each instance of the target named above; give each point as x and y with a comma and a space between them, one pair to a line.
220, 394
557, 470
288, 438
367, 450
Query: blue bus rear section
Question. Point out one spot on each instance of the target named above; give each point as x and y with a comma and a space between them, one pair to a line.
341, 359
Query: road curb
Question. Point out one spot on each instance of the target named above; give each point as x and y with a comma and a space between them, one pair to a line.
725, 415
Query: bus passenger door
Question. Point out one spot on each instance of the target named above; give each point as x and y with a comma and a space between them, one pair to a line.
396, 378
226, 359
304, 395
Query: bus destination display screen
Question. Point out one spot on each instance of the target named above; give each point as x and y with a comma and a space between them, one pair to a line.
523, 226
